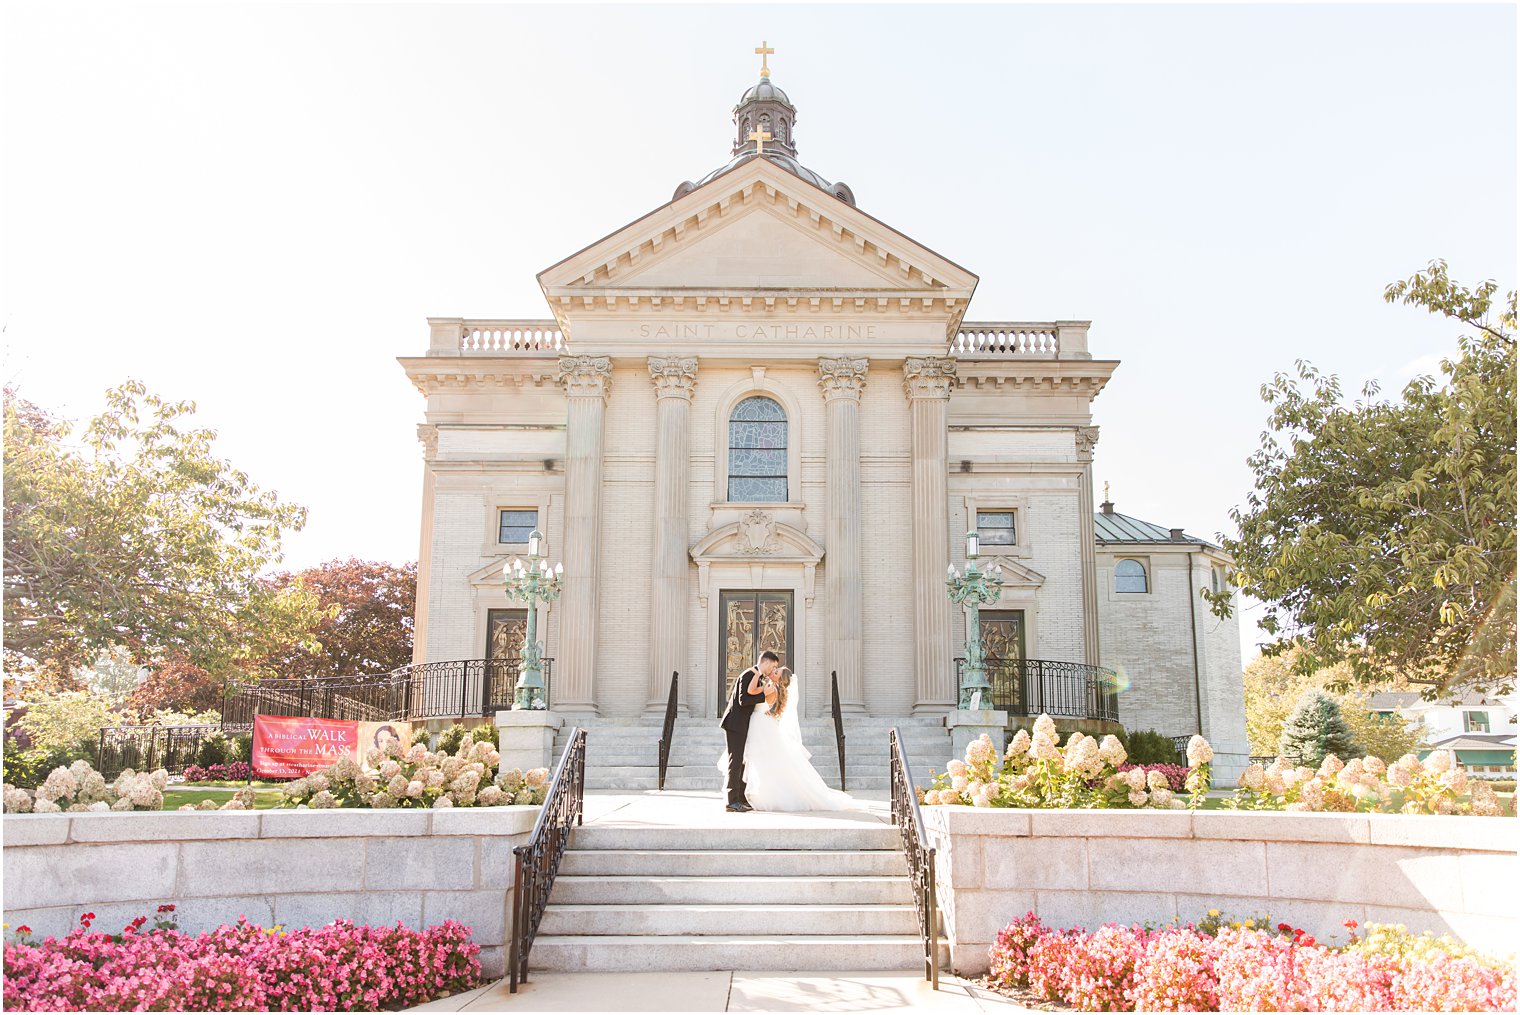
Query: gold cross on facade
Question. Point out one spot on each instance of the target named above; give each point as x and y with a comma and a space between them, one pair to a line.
763, 52
759, 137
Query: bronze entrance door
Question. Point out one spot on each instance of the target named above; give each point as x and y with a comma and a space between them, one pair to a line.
1003, 650
751, 622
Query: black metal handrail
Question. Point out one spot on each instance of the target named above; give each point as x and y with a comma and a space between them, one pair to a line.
536, 863
838, 728
910, 822
670, 726
1051, 686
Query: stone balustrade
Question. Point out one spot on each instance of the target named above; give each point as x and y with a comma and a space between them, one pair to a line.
290, 867
1450, 875
975, 340
454, 336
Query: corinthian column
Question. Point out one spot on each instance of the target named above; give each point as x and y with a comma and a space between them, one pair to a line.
841, 379
427, 433
1087, 439
586, 380
674, 380
928, 381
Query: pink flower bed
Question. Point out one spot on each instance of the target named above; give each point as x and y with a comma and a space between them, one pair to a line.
1242, 968
339, 967
235, 771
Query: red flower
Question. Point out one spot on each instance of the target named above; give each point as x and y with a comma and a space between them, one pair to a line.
1284, 927
1349, 924
1308, 941
23, 929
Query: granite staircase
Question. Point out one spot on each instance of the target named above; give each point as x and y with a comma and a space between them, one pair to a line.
623, 754
829, 896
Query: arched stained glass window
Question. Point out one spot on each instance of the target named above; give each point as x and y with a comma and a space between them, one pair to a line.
757, 451
1129, 576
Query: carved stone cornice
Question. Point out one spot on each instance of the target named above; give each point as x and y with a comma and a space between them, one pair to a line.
427, 433
842, 376
586, 376
928, 376
673, 376
1087, 439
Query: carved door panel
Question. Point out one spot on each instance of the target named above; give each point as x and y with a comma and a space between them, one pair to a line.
1003, 650
750, 623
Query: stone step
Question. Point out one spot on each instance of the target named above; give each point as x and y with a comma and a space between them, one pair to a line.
729, 952
833, 836
725, 920
726, 862
864, 890
633, 783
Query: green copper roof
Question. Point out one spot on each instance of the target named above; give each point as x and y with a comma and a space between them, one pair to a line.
1113, 527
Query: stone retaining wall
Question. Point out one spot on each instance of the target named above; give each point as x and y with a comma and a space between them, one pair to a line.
288, 867
1451, 875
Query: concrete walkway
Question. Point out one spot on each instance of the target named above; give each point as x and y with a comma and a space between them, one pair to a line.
838, 992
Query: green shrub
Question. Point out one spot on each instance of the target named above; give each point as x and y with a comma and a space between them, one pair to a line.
28, 769
242, 747
486, 734
1501, 785
420, 735
450, 739
214, 749
1147, 747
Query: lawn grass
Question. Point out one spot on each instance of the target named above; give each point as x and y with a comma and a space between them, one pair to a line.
175, 798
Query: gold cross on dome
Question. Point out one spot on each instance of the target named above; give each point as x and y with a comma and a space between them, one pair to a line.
763, 52
759, 137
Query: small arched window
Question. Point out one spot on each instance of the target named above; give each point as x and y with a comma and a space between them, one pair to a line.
757, 451
1129, 576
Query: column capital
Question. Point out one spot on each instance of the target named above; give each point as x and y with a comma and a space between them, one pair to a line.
1087, 439
842, 376
673, 376
427, 433
588, 376
928, 376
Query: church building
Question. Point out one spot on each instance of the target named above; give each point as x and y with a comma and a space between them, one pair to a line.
761, 418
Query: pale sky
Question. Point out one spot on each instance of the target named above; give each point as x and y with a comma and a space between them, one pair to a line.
257, 206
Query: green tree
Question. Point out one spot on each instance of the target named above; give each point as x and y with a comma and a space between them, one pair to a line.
1273, 687
114, 675
1314, 729
1382, 534
367, 611
136, 534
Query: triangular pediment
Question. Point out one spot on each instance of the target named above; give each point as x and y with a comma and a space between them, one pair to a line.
757, 228
1017, 575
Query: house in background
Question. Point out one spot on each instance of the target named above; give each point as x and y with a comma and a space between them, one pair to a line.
1479, 727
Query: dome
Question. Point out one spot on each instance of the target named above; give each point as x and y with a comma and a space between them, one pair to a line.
764, 92
791, 165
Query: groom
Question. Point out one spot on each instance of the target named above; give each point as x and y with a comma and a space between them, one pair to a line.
735, 725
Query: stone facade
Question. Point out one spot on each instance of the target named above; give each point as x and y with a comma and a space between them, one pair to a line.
902, 420
295, 868
1086, 868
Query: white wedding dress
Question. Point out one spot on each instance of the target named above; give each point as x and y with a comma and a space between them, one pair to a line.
777, 773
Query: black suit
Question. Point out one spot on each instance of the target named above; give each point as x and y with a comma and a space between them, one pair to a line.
735, 723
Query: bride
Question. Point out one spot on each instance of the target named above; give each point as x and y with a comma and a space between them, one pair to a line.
777, 773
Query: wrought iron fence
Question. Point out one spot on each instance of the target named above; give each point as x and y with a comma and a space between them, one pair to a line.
910, 822
1179, 744
144, 748
536, 863
1052, 687
457, 687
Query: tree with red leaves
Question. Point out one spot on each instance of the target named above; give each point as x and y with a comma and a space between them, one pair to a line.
369, 609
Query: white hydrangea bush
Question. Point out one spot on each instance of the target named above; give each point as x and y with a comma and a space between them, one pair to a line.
1036, 772
79, 787
1437, 785
398, 776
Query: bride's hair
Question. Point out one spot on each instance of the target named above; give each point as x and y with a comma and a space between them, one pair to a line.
783, 682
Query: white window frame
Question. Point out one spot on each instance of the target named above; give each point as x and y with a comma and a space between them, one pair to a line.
765, 387
992, 500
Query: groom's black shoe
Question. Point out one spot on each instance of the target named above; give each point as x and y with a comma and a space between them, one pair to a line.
739, 808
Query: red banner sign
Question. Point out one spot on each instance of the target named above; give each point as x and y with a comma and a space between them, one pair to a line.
286, 747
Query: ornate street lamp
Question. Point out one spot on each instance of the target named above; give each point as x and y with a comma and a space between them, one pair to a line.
531, 583
974, 590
